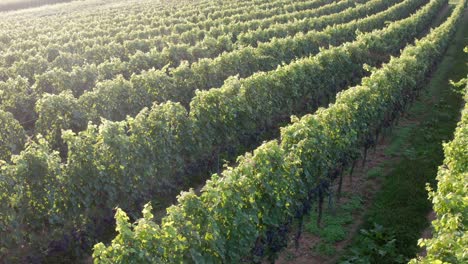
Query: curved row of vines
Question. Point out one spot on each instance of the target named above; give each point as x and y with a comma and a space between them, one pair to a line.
243, 212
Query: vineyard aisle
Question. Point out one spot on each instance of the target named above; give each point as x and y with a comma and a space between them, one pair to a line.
389, 190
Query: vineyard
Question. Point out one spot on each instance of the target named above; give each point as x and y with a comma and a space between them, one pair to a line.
258, 108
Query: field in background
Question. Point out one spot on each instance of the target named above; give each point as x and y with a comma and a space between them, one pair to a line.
11, 5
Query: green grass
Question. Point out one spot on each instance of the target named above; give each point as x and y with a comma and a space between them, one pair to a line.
333, 227
400, 136
324, 249
402, 204
375, 172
